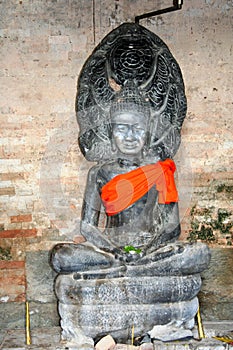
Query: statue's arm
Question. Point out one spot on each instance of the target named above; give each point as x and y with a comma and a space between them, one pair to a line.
91, 212
91, 202
172, 221
168, 230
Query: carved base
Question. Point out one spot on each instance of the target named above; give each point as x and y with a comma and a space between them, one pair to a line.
90, 309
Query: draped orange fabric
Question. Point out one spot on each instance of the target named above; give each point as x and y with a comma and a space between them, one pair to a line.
125, 189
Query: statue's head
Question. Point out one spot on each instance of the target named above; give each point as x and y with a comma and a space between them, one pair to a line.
128, 54
130, 120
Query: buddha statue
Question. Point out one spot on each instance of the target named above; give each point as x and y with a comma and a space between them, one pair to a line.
134, 271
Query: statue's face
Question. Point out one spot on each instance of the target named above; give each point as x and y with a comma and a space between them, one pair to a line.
129, 133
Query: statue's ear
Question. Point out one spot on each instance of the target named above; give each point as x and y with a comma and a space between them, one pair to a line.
113, 146
146, 146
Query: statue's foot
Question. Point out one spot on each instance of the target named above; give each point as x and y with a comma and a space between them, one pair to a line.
112, 272
163, 252
174, 259
189, 324
72, 336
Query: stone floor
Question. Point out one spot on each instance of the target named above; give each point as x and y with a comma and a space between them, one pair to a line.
49, 339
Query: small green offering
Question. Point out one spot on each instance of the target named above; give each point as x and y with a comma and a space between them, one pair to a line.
130, 248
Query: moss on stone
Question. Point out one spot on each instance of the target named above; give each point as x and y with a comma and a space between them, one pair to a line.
224, 188
5, 254
208, 227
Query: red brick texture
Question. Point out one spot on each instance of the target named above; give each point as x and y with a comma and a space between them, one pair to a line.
12, 281
21, 218
18, 233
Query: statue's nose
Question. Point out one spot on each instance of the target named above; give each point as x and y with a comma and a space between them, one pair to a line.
130, 134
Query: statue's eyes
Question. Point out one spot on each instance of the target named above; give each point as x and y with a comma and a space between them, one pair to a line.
124, 128
121, 127
138, 127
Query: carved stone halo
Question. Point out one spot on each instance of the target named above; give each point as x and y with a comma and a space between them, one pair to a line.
130, 52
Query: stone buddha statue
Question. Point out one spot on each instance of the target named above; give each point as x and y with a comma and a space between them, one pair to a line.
134, 271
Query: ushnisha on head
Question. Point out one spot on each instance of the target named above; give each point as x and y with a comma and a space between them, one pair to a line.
130, 120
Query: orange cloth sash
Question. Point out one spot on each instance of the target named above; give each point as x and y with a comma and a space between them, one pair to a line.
125, 189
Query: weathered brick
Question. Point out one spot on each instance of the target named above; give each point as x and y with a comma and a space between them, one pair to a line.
18, 233
12, 289
20, 297
13, 280
11, 176
12, 265
13, 273
21, 218
2, 152
59, 39
7, 191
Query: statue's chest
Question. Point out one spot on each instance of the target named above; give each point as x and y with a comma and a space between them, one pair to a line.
107, 173
144, 202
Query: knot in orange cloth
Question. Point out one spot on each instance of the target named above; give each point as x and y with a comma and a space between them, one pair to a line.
125, 189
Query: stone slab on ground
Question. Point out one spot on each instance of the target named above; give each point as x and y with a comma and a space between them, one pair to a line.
42, 315
49, 339
42, 338
204, 344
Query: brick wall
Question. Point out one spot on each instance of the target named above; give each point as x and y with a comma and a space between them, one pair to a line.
43, 47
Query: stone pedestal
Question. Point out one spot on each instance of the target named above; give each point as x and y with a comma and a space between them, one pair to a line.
90, 309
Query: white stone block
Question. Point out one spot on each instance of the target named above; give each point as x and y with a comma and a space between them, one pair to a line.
106, 343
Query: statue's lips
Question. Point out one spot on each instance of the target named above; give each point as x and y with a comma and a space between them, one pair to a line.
130, 145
